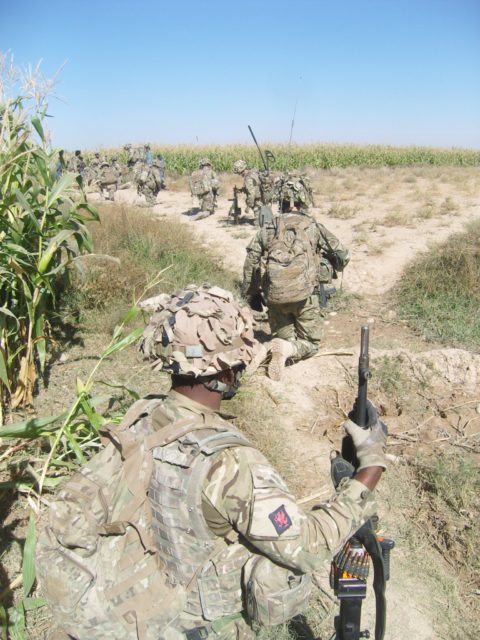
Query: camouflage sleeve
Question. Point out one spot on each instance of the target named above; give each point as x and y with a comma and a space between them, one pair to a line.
255, 249
245, 491
332, 248
251, 191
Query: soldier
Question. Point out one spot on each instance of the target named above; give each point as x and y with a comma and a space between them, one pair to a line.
204, 185
161, 170
251, 186
288, 259
149, 182
226, 532
248, 520
107, 180
148, 154
77, 163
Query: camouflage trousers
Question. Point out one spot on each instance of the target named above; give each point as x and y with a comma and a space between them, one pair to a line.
207, 202
301, 323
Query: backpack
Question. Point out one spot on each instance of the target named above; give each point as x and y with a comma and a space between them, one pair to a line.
200, 183
97, 563
292, 264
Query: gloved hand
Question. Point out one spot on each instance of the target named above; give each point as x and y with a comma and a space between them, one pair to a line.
370, 444
372, 415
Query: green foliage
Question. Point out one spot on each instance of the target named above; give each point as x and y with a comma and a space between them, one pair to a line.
183, 159
142, 245
439, 293
42, 229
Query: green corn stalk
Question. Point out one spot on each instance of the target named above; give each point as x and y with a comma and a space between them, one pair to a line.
42, 230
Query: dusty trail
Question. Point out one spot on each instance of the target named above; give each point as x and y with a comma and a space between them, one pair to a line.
311, 400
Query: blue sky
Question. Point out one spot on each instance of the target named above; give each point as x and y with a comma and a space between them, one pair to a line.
360, 71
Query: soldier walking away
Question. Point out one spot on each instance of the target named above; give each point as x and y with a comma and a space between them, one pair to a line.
251, 187
204, 185
108, 179
149, 182
225, 544
288, 260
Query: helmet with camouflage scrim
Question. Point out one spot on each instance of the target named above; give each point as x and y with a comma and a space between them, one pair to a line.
198, 332
239, 166
293, 189
204, 162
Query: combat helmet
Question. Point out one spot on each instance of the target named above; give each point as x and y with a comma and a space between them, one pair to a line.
239, 166
204, 162
198, 332
293, 189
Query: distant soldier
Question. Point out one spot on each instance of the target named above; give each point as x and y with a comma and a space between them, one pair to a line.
251, 186
161, 170
61, 164
290, 260
204, 185
148, 155
77, 163
108, 178
149, 182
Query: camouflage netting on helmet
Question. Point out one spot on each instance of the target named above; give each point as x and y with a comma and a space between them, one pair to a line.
204, 162
198, 332
295, 188
239, 166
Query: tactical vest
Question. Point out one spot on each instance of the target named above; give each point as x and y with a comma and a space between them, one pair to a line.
186, 545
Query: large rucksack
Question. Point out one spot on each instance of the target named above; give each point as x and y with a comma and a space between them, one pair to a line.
97, 563
200, 183
292, 264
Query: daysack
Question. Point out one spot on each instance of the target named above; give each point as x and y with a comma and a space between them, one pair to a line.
200, 183
97, 562
292, 264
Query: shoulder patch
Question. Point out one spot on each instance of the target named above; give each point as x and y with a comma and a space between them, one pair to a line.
280, 519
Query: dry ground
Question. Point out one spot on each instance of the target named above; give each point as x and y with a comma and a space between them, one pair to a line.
428, 395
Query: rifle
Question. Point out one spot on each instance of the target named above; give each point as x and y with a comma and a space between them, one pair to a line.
349, 568
235, 210
324, 294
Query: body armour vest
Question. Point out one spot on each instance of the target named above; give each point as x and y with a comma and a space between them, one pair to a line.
210, 567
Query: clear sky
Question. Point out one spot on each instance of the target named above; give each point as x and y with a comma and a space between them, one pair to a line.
395, 72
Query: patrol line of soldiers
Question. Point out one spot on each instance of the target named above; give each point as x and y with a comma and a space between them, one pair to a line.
142, 169
258, 188
234, 546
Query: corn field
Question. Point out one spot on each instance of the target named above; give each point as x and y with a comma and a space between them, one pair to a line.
183, 159
42, 230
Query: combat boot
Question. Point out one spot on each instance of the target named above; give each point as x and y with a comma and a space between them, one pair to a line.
280, 351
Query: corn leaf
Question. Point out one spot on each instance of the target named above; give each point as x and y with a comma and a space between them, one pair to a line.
125, 342
37, 123
28, 565
31, 428
52, 247
4, 370
62, 184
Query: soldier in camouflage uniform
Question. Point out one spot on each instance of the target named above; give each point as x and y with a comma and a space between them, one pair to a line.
204, 185
237, 526
149, 181
251, 187
294, 313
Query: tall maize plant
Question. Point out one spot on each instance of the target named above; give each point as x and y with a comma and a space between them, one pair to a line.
42, 229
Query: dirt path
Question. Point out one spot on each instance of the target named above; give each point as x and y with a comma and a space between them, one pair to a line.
311, 400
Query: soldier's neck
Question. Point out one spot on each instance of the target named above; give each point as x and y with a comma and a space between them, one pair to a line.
202, 395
